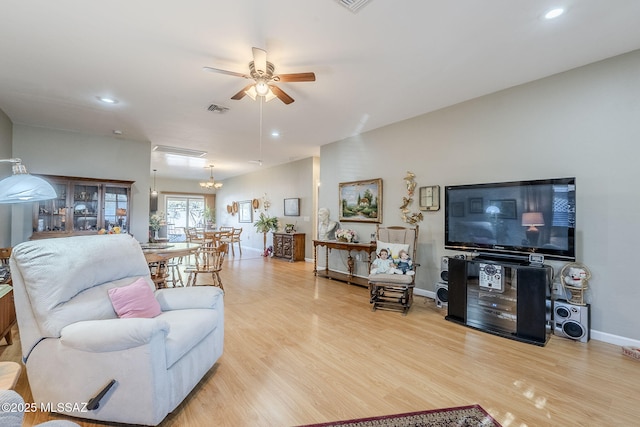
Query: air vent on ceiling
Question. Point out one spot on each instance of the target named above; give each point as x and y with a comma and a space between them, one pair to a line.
215, 108
179, 151
353, 5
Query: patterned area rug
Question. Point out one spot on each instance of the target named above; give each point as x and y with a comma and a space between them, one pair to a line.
461, 416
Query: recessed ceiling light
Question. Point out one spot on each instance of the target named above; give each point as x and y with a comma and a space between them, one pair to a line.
275, 133
107, 100
554, 13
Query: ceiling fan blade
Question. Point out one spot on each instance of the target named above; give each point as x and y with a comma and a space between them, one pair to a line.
296, 77
242, 92
281, 95
230, 73
260, 60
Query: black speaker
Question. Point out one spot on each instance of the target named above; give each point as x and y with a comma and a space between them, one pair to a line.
572, 321
442, 294
444, 269
532, 302
457, 291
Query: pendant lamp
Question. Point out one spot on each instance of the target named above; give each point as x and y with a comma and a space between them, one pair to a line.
22, 187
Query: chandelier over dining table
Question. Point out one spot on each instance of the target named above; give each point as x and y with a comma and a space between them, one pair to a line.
211, 183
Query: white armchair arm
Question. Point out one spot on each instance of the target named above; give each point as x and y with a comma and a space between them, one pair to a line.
190, 297
112, 334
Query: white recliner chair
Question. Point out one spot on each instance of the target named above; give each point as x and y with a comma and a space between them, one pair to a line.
74, 344
12, 407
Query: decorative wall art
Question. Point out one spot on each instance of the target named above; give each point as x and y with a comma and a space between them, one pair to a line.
244, 211
361, 201
405, 212
292, 207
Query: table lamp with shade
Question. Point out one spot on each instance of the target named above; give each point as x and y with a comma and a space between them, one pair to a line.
532, 220
22, 187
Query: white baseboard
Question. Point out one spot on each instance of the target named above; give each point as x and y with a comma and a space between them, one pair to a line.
595, 335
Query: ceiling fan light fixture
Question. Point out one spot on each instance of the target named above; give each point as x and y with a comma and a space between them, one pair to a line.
262, 88
269, 96
251, 92
254, 93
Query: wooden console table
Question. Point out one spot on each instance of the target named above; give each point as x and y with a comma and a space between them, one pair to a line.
369, 248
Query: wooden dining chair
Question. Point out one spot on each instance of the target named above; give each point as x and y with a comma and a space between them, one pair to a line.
209, 260
235, 238
158, 270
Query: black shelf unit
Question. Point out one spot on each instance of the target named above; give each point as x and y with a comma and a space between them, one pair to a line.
518, 311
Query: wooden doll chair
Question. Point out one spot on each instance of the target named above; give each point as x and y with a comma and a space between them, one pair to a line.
394, 291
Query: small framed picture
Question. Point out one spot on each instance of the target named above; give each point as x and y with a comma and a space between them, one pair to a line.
430, 198
292, 207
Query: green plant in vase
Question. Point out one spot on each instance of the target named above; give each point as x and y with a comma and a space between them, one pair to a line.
210, 217
265, 224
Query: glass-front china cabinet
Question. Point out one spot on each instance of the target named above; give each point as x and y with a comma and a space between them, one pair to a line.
83, 206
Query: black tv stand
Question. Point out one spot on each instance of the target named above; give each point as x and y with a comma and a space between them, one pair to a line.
514, 307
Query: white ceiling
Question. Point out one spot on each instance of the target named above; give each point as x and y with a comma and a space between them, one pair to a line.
393, 60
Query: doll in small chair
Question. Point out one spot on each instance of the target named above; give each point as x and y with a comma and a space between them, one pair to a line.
383, 264
404, 264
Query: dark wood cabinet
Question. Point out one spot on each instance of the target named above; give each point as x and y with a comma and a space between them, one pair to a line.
83, 206
289, 246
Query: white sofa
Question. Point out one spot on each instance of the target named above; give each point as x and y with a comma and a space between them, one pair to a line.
74, 344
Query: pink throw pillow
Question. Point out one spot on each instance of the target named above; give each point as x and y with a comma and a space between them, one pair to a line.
135, 300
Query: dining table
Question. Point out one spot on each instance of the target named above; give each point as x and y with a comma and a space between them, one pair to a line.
216, 237
158, 256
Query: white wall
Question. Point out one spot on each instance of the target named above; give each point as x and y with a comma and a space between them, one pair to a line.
6, 128
55, 152
292, 180
583, 123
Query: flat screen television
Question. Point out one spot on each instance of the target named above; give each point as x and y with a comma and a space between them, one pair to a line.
513, 219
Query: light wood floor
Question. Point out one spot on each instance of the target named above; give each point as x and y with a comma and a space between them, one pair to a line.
300, 349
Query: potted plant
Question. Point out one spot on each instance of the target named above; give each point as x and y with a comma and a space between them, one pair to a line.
210, 217
156, 221
265, 224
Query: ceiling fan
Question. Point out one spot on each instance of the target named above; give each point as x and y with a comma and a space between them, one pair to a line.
262, 72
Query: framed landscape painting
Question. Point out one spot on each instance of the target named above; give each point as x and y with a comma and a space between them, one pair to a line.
361, 201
